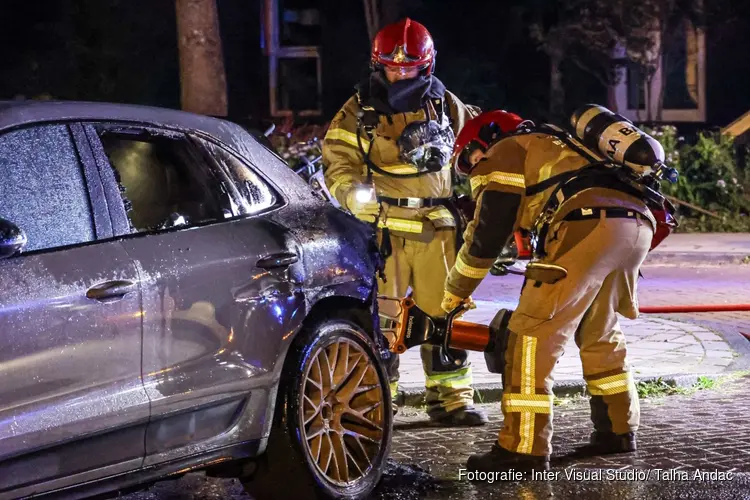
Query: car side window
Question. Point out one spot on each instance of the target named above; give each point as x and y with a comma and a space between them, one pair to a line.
43, 189
164, 183
256, 194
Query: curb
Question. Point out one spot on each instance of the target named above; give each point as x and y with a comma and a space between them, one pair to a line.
704, 258
739, 344
493, 393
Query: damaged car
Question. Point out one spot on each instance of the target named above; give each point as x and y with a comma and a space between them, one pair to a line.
174, 298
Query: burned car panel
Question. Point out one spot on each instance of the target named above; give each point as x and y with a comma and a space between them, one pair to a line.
335, 246
216, 309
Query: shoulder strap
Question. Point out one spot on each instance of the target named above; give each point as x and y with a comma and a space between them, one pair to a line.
529, 127
367, 121
442, 110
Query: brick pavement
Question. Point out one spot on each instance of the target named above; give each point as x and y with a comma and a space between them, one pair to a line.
659, 345
704, 431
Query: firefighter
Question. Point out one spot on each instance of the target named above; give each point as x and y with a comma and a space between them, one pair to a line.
387, 160
594, 228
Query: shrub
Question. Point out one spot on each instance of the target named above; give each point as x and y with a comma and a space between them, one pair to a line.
728, 223
709, 166
709, 178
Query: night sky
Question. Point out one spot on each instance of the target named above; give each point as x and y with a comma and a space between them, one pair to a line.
126, 51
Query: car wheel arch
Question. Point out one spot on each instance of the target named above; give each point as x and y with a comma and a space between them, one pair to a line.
331, 306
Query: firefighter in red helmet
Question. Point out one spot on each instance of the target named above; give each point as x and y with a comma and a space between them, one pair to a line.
387, 160
589, 210
479, 133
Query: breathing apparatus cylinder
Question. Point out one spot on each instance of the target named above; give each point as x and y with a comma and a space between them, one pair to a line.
616, 138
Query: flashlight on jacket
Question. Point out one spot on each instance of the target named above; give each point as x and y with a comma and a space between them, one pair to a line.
364, 195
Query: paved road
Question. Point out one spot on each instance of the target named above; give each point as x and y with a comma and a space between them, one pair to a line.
666, 285
700, 285
704, 432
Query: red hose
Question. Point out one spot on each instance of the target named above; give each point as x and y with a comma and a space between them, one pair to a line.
697, 308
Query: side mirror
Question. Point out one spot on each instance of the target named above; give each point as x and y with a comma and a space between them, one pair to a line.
12, 239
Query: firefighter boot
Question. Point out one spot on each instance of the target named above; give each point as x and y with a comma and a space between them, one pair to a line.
449, 395
467, 416
498, 459
608, 443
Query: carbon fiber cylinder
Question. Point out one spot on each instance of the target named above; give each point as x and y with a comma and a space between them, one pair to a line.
616, 138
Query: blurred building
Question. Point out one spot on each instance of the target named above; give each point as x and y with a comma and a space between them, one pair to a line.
676, 91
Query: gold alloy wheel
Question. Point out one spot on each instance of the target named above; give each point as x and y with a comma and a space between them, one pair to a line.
342, 411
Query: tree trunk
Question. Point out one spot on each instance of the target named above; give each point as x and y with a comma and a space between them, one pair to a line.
202, 76
647, 96
371, 18
665, 46
390, 11
556, 88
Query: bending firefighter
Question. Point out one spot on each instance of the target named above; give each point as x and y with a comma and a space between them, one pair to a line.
387, 160
585, 204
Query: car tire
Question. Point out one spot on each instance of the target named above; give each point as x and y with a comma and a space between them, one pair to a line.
333, 406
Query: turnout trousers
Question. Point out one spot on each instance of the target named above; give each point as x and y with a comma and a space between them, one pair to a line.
602, 257
423, 266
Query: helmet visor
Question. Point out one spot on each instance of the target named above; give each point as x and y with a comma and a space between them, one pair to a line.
399, 57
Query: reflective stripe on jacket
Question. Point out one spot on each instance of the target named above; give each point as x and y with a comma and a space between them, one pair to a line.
345, 164
512, 166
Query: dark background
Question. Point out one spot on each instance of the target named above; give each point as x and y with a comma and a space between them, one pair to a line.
126, 51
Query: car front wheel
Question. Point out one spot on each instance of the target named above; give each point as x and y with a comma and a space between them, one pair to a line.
335, 431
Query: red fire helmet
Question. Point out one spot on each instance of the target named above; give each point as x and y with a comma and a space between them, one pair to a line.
404, 44
479, 132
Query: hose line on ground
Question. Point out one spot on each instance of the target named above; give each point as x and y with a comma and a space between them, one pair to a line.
695, 308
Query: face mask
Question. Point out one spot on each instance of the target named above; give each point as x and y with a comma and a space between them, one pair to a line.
426, 145
404, 95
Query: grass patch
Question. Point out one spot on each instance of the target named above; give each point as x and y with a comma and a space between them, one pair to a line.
706, 383
658, 388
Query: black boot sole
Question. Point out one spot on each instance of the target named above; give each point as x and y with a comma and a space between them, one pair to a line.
596, 451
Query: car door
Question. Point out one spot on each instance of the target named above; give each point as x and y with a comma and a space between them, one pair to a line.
72, 402
219, 292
